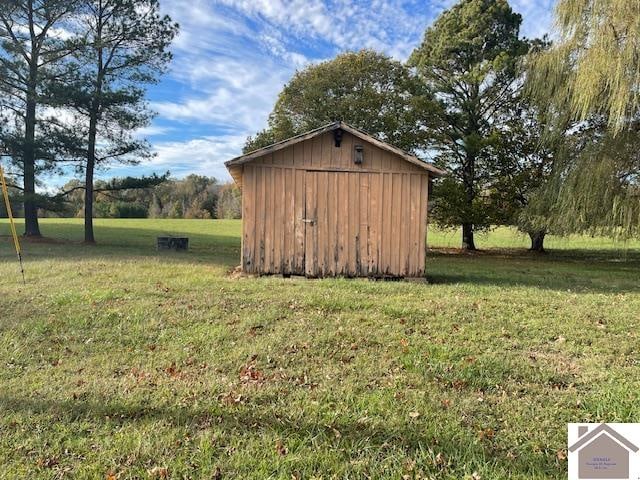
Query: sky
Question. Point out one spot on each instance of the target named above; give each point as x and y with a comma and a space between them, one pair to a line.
232, 58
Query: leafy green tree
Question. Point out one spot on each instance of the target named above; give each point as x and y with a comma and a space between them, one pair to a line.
468, 61
365, 89
126, 47
33, 50
74, 199
521, 165
175, 210
120, 209
155, 209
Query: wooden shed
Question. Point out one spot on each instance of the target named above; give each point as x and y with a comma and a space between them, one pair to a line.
333, 201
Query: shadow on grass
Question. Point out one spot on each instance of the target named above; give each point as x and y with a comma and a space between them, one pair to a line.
415, 440
600, 271
125, 243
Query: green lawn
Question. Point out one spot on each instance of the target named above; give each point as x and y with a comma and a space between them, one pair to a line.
118, 362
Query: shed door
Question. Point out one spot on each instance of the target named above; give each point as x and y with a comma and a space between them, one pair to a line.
333, 226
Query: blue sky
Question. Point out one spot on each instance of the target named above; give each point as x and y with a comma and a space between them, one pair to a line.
232, 57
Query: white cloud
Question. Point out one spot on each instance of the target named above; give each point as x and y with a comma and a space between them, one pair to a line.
537, 16
381, 24
152, 131
203, 156
235, 56
243, 110
232, 57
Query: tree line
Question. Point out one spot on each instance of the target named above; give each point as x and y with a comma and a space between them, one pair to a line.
193, 197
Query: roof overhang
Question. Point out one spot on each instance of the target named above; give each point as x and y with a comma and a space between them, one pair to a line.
235, 165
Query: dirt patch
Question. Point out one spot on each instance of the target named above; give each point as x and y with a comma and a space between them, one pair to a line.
237, 273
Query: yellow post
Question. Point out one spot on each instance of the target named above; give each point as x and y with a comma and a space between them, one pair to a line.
16, 241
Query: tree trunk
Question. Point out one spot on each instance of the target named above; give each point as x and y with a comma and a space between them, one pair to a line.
537, 241
32, 229
88, 181
94, 116
468, 242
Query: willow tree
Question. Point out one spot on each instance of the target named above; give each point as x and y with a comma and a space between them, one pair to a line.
591, 78
594, 65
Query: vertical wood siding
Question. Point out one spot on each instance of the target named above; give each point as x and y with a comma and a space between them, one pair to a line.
309, 210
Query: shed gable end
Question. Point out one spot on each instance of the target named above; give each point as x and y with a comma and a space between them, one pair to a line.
320, 153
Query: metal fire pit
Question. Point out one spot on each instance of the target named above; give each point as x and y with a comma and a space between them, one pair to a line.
173, 243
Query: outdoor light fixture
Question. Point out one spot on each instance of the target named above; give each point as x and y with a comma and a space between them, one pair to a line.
358, 157
337, 136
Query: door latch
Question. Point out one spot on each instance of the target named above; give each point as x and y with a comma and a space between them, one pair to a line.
310, 221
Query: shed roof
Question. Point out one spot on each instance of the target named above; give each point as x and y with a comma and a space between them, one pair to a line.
234, 165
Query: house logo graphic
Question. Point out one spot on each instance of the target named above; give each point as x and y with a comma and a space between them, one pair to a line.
604, 451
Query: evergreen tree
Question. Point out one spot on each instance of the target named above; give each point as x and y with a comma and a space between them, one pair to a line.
126, 48
33, 49
469, 62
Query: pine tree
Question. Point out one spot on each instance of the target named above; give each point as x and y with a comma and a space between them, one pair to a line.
126, 47
469, 63
33, 50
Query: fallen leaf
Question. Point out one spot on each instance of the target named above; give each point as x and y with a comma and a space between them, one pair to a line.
414, 414
280, 448
158, 472
487, 433
561, 455
250, 373
217, 474
172, 370
231, 398
48, 462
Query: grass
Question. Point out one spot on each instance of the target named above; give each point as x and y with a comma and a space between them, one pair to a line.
118, 362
